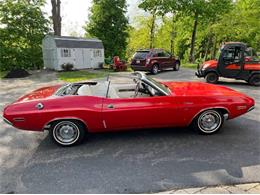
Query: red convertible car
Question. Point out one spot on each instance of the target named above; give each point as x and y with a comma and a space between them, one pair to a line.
135, 101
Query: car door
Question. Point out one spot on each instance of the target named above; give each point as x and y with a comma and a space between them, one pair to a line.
162, 59
231, 61
170, 60
144, 112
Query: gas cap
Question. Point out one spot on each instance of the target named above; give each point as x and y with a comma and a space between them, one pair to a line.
39, 106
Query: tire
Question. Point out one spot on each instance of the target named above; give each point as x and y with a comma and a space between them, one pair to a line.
212, 77
155, 69
208, 122
254, 80
68, 132
177, 66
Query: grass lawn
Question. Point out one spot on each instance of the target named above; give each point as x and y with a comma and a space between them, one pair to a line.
2, 74
189, 65
74, 76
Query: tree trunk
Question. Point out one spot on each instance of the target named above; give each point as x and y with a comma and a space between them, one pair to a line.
152, 29
208, 47
172, 36
193, 38
56, 18
214, 49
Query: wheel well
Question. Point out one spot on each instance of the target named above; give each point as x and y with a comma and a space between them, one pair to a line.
178, 62
156, 63
252, 74
211, 71
51, 123
222, 110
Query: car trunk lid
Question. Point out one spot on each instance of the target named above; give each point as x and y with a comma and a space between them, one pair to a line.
41, 93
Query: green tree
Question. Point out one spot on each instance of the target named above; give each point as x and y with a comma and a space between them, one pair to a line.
154, 7
206, 10
22, 28
108, 22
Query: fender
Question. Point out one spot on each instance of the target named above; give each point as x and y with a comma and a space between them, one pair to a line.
206, 71
254, 72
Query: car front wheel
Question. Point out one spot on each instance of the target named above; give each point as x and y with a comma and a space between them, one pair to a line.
212, 77
208, 122
255, 80
68, 132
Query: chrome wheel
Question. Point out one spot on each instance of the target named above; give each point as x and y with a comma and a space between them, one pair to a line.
155, 69
66, 133
177, 66
209, 121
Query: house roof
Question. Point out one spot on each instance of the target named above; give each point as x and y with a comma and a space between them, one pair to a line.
77, 42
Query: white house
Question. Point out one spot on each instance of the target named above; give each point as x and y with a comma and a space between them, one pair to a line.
82, 53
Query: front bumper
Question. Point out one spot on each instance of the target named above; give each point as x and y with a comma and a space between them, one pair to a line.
200, 73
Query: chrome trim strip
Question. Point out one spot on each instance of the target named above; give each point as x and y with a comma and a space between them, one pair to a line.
63, 118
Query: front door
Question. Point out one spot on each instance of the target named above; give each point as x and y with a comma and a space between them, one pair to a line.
231, 61
144, 112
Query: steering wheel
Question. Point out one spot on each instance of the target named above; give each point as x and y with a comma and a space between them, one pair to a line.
146, 87
138, 86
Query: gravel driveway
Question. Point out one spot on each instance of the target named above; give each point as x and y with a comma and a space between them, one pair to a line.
130, 162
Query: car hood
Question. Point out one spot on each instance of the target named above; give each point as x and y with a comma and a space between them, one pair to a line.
39, 93
199, 88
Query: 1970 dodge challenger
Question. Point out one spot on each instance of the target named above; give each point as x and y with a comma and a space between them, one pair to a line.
135, 101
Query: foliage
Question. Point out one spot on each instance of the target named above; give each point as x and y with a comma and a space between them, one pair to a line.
67, 66
189, 65
218, 21
22, 28
109, 23
2, 74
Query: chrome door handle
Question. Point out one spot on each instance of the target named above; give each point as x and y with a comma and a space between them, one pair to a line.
110, 106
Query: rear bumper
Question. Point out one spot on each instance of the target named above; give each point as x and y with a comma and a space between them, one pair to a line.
251, 108
140, 68
7, 121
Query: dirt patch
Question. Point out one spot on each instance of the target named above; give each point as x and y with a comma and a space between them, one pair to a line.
17, 73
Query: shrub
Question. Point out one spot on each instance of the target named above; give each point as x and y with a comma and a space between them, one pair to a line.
67, 66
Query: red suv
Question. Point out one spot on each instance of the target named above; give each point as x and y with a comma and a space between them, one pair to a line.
153, 60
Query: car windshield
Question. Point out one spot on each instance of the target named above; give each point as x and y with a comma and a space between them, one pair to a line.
159, 85
140, 54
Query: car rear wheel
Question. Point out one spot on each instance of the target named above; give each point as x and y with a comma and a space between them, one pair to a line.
155, 69
68, 132
212, 77
177, 66
208, 122
255, 80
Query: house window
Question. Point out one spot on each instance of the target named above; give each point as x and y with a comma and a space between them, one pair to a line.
65, 53
97, 53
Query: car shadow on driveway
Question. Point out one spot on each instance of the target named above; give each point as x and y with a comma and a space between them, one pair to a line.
146, 161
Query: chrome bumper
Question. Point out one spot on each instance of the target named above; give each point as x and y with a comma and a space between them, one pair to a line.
7, 121
251, 108
225, 116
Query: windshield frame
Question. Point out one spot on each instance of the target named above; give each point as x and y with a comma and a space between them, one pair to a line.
157, 85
